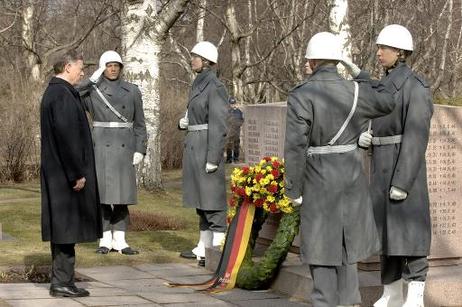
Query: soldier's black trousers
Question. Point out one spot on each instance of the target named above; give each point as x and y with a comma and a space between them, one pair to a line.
63, 263
214, 220
115, 217
410, 268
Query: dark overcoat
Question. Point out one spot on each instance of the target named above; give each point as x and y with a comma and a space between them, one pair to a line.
337, 207
404, 226
208, 104
114, 147
67, 155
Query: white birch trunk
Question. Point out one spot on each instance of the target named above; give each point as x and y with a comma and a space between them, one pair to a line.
201, 21
143, 32
338, 24
28, 41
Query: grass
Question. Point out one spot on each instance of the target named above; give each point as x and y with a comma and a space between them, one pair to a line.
21, 219
453, 101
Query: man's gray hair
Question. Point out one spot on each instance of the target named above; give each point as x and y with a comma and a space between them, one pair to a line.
69, 57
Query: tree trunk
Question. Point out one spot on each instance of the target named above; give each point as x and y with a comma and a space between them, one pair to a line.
33, 66
338, 24
143, 33
201, 21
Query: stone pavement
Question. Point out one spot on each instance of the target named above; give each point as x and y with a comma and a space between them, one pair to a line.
141, 285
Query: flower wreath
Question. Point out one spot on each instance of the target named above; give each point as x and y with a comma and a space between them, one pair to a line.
263, 186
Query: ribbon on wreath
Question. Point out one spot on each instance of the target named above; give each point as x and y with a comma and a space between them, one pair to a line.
233, 253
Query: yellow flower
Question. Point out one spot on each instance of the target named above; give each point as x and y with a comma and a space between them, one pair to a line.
248, 191
270, 198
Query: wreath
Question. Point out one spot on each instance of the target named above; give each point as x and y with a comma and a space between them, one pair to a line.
263, 186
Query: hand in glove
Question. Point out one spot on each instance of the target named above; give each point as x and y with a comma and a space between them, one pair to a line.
137, 157
365, 139
397, 193
97, 74
210, 168
353, 70
297, 202
184, 121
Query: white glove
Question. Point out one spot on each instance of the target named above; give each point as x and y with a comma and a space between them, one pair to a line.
365, 139
397, 193
97, 74
184, 121
351, 67
137, 157
210, 168
297, 202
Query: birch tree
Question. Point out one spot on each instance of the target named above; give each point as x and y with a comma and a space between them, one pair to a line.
144, 29
338, 24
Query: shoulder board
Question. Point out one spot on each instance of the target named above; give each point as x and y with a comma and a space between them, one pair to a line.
300, 84
421, 80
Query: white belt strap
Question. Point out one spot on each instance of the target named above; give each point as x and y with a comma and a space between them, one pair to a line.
330, 148
120, 116
387, 140
198, 127
112, 125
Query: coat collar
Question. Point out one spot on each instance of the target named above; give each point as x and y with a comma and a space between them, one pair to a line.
112, 88
56, 80
201, 81
398, 76
325, 72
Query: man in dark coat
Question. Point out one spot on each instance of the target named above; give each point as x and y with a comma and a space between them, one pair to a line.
204, 185
120, 136
233, 140
71, 210
325, 115
399, 176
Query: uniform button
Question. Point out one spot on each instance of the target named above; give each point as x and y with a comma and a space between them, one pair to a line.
123, 107
107, 145
123, 145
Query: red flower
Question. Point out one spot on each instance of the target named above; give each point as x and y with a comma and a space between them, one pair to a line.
228, 220
275, 172
245, 170
273, 188
276, 164
232, 202
241, 192
259, 177
273, 207
267, 159
233, 188
259, 202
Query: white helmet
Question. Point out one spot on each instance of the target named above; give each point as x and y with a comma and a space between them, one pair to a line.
395, 36
324, 46
207, 50
108, 57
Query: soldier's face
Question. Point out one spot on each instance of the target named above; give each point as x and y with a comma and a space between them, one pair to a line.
196, 63
308, 70
387, 56
112, 71
74, 72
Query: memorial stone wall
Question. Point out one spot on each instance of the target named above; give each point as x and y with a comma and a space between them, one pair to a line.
264, 130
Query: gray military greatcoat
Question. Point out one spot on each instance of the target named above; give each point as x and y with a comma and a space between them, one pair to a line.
336, 206
208, 104
404, 225
114, 147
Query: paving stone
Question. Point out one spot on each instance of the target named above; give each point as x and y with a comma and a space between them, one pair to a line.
113, 301
51, 302
92, 284
180, 272
240, 295
147, 267
8, 294
142, 285
109, 273
108, 292
167, 298
270, 303
189, 279
204, 304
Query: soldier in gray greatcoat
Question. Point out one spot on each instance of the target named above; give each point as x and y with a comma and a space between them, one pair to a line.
325, 116
399, 178
120, 137
204, 186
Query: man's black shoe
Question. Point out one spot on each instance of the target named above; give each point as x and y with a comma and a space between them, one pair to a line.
201, 262
129, 251
188, 254
69, 291
102, 250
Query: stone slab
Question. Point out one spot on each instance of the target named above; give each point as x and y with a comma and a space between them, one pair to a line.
241, 295
141, 285
111, 301
203, 304
108, 273
50, 302
172, 298
271, 303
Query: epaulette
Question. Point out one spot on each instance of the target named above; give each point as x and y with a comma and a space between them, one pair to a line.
421, 80
300, 84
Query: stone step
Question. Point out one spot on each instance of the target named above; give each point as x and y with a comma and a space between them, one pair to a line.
443, 286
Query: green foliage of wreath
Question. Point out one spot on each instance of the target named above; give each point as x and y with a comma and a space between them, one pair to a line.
259, 275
